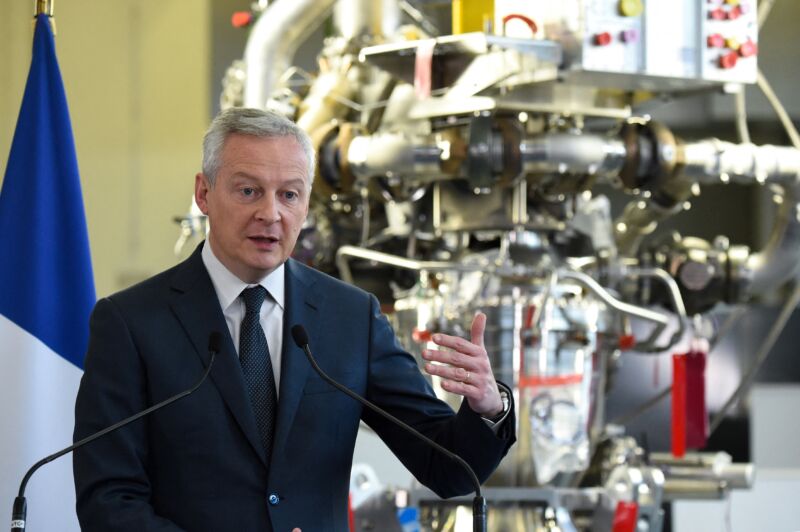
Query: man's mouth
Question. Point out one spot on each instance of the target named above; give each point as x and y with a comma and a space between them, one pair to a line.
263, 241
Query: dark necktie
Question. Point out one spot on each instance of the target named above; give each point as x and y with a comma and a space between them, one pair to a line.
257, 366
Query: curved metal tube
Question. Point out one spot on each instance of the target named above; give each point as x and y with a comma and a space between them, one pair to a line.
677, 303
712, 161
393, 260
274, 40
778, 261
611, 301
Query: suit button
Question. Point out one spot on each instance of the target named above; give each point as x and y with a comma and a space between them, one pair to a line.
274, 499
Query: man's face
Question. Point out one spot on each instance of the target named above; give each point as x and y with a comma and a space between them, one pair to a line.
257, 205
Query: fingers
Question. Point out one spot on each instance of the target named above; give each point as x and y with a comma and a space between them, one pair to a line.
452, 358
464, 367
454, 373
478, 327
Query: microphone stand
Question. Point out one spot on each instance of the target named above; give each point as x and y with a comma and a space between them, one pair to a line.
20, 509
479, 512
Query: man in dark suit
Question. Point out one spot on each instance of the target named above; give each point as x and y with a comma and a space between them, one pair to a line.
265, 444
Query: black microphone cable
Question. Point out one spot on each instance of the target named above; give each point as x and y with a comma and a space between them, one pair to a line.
20, 509
300, 337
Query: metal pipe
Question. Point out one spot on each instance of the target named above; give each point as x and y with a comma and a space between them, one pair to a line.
572, 153
778, 261
394, 260
357, 19
683, 489
273, 41
713, 161
706, 466
394, 154
677, 303
780, 110
611, 301
639, 218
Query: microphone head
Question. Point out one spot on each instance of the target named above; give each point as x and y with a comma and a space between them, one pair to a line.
215, 342
300, 335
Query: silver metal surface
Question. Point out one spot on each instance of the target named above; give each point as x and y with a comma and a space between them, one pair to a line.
273, 41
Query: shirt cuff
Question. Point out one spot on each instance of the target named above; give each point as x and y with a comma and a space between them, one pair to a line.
496, 422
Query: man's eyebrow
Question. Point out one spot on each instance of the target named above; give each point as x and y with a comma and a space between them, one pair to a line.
296, 180
245, 175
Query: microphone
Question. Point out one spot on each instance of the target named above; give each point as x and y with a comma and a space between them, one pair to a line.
20, 509
300, 337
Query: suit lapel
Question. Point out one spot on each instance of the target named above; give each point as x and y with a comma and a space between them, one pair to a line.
301, 308
194, 301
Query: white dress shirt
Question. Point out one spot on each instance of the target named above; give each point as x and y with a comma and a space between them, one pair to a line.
229, 287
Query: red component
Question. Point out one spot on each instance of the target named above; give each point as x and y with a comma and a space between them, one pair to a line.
716, 41
241, 19
728, 60
421, 335
717, 14
734, 13
602, 39
748, 48
625, 517
678, 405
696, 413
626, 341
514, 16
351, 517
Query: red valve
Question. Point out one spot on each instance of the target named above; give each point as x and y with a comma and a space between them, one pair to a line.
748, 49
728, 60
717, 14
602, 39
716, 41
241, 19
421, 335
626, 341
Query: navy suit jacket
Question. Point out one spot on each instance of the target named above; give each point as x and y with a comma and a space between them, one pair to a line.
198, 464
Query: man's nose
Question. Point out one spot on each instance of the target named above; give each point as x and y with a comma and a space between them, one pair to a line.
268, 210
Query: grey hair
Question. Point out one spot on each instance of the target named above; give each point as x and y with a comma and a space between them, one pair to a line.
254, 122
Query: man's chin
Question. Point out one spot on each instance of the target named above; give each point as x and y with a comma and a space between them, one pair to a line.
266, 265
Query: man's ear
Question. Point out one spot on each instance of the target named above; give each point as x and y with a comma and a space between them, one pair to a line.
201, 187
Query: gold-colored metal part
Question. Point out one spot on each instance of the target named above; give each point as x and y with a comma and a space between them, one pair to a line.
44, 7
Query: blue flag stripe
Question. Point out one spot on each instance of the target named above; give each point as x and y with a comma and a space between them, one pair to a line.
46, 281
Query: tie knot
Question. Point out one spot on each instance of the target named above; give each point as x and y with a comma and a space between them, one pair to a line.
253, 298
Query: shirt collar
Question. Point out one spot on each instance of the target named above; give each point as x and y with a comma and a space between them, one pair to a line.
228, 286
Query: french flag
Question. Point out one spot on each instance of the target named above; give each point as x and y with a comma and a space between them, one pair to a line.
46, 295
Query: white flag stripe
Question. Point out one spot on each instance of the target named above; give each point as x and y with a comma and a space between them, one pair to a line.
38, 398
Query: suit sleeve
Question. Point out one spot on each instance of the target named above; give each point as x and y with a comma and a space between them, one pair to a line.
111, 477
397, 385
